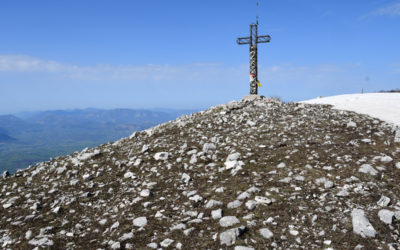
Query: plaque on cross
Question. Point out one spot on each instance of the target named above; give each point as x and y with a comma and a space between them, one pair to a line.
253, 40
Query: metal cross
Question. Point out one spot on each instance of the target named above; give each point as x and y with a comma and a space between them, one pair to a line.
253, 40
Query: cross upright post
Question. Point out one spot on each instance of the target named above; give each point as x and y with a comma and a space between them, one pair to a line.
253, 40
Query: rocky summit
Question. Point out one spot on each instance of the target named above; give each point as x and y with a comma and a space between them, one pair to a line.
244, 175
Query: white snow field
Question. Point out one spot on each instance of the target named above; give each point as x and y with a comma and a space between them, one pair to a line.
385, 106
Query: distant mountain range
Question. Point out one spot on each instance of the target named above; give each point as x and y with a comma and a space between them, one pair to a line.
5, 138
30, 137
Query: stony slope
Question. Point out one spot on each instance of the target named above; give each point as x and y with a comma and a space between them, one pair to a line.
258, 174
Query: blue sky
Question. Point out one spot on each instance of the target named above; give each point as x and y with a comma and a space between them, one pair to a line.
183, 54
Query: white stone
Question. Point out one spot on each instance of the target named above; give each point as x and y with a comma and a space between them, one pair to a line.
251, 97
7, 205
87, 177
383, 201
152, 245
286, 179
137, 162
126, 236
57, 210
266, 233
234, 204
196, 198
251, 204
294, 232
228, 221
6, 174
158, 214
145, 193
243, 196
262, 200
327, 183
193, 160
166, 242
233, 157
351, 124
281, 165
191, 152
361, 225
114, 226
386, 159
250, 123
367, 169
386, 216
36, 206
253, 190
129, 175
28, 235
342, 193
216, 214
60, 170
398, 165
42, 242
397, 215
161, 156
299, 178
192, 213
140, 222
185, 178
208, 147
188, 231
145, 148
212, 203
179, 226
191, 193
243, 248
116, 245
231, 164
229, 237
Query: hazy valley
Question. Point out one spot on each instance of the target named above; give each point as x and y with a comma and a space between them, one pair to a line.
31, 137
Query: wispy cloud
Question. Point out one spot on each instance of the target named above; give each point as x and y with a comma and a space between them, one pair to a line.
280, 78
287, 71
22, 63
389, 10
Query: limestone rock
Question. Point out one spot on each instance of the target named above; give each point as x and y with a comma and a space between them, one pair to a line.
161, 156
361, 225
383, 201
234, 204
140, 222
367, 169
228, 221
266, 233
166, 242
230, 236
216, 214
212, 203
386, 216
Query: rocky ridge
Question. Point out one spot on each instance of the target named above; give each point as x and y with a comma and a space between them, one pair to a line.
243, 175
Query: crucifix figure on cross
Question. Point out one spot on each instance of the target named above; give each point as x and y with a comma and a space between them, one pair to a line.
253, 40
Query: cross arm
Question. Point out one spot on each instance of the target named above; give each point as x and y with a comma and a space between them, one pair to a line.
263, 39
243, 40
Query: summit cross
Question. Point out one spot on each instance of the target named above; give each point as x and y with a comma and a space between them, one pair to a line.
253, 40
